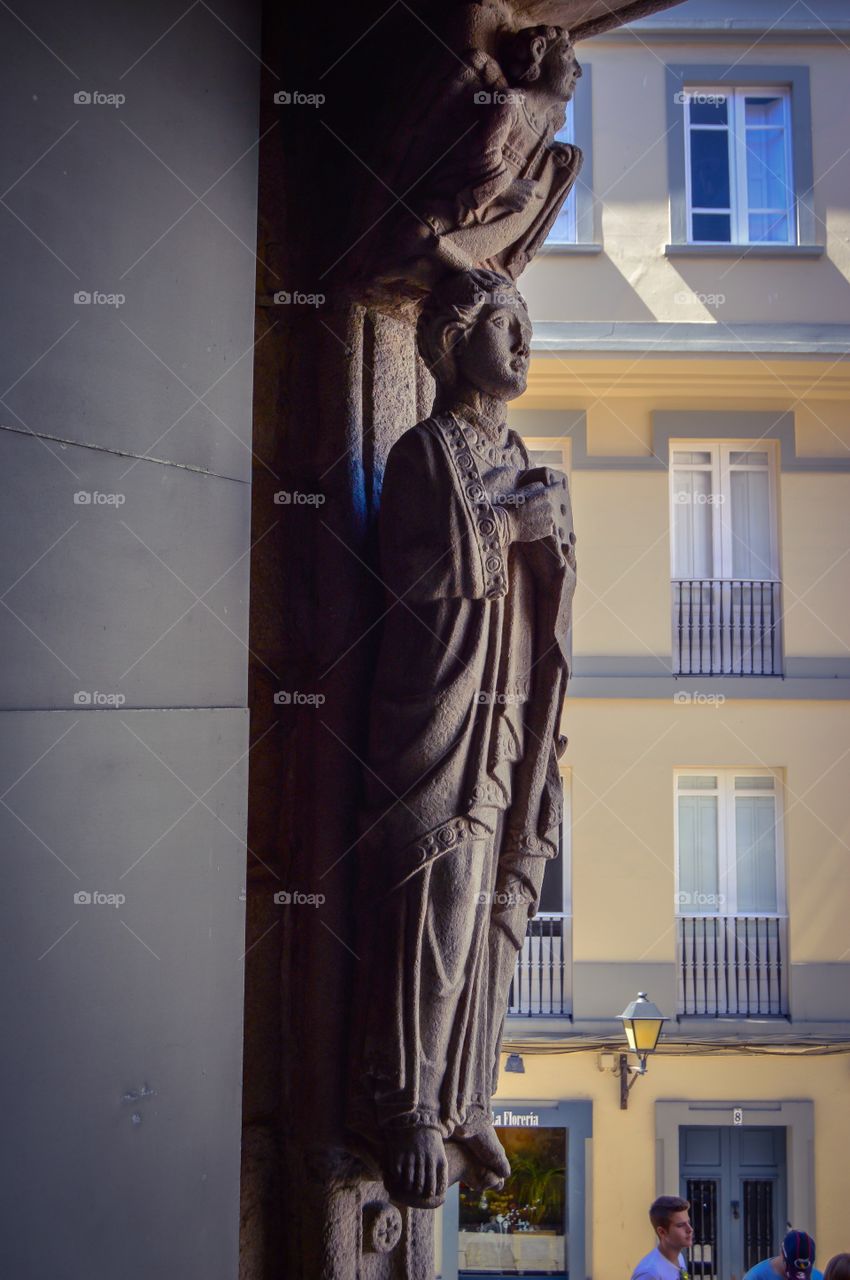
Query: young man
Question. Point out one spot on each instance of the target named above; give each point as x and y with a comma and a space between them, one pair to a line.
672, 1226
795, 1262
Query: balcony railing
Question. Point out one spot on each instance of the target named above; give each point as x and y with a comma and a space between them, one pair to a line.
541, 986
728, 626
733, 966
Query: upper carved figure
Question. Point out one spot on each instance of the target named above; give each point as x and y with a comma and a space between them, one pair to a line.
463, 790
490, 178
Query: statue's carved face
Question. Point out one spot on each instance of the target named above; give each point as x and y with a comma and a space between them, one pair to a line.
560, 70
495, 354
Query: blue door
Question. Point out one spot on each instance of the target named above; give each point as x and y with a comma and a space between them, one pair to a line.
734, 1178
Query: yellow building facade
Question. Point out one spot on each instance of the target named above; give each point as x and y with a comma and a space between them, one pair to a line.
691, 376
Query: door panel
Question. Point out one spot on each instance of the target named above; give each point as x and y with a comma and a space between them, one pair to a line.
734, 1178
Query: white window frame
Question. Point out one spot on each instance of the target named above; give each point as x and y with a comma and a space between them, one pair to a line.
727, 879
568, 134
736, 130
551, 444
721, 467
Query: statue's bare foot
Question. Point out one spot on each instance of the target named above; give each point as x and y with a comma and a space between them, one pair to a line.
416, 1168
488, 1151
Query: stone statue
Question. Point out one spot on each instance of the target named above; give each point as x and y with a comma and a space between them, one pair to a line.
463, 788
490, 179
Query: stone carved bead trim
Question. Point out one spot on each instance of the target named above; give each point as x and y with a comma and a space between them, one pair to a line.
489, 452
435, 844
530, 845
484, 519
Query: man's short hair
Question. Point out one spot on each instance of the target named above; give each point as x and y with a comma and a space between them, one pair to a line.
662, 1210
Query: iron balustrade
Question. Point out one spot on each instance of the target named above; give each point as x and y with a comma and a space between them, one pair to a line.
733, 966
726, 626
541, 986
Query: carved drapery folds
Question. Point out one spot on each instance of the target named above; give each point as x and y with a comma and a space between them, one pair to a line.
462, 782
482, 173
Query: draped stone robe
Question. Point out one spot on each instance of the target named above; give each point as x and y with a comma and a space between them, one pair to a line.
463, 789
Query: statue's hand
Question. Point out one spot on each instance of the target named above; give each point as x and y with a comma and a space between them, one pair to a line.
539, 509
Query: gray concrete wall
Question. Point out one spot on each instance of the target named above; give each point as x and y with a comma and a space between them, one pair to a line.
124, 537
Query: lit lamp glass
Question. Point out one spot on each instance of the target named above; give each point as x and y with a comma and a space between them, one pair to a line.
642, 1023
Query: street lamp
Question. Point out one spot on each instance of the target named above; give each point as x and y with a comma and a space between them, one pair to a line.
642, 1023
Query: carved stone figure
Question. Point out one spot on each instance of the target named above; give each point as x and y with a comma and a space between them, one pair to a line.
463, 787
489, 178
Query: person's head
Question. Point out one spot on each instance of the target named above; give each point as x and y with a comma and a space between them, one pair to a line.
543, 56
671, 1223
838, 1268
798, 1255
474, 331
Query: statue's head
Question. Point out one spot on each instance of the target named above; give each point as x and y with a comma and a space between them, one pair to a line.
543, 57
474, 331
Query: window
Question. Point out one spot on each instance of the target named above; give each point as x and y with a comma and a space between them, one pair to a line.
522, 1228
564, 229
726, 596
723, 511
537, 1224
739, 179
731, 930
728, 840
553, 452
542, 983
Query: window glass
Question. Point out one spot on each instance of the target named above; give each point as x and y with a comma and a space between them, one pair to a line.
755, 853
710, 169
728, 845
693, 456
766, 179
709, 108
563, 229
547, 458
713, 226
751, 553
692, 520
769, 227
764, 110
522, 1229
723, 527
748, 458
741, 184
698, 860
